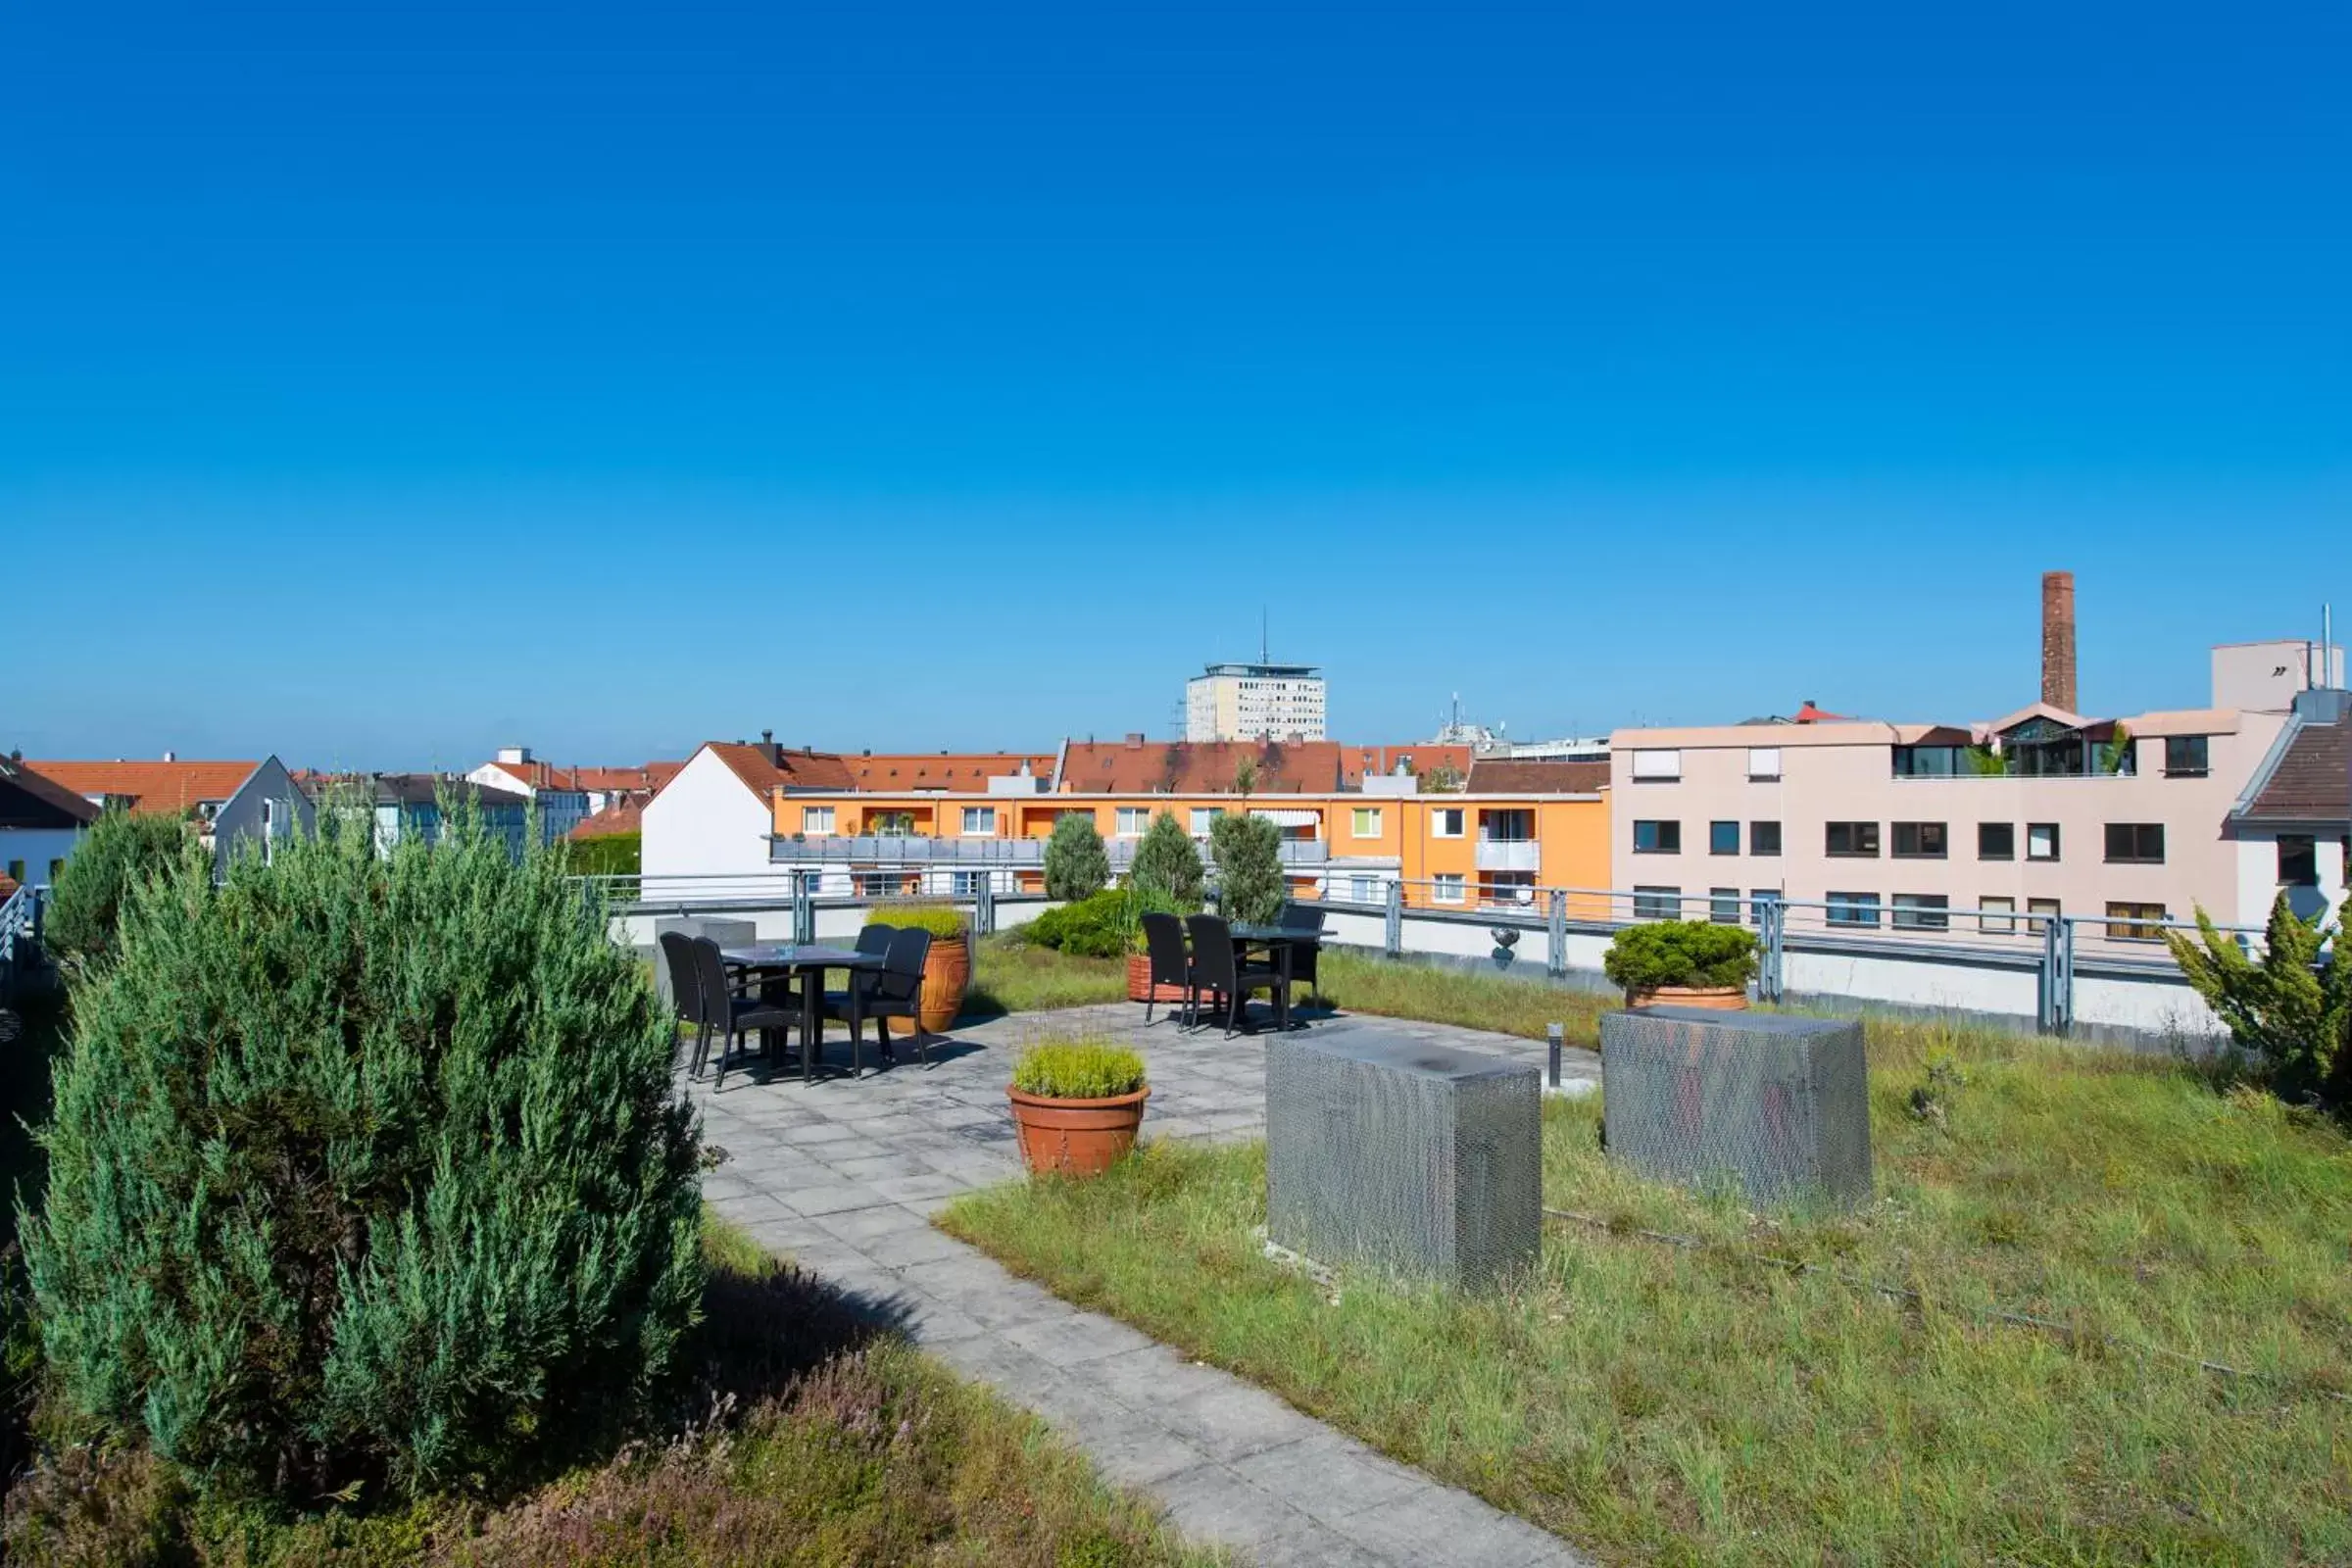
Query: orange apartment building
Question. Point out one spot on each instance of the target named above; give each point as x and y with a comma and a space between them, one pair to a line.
1346, 834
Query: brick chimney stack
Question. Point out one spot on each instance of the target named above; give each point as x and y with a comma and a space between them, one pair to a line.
2058, 640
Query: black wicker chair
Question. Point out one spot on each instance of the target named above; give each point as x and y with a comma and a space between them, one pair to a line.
1217, 971
875, 937
1303, 917
897, 992
1164, 945
729, 1015
685, 985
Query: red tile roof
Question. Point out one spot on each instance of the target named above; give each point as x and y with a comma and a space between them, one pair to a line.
543, 775
2312, 781
884, 771
1504, 776
1205, 767
627, 815
154, 789
21, 782
767, 768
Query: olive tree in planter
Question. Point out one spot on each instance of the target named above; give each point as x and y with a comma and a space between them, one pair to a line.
1077, 1104
1249, 882
1077, 867
1686, 963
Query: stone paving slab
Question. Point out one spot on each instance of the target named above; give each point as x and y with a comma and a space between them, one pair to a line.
843, 1174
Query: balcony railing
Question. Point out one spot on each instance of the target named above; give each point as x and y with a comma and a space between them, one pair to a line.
1509, 855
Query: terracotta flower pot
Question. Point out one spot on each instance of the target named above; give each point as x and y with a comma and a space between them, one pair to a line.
1714, 999
1139, 982
1076, 1137
946, 974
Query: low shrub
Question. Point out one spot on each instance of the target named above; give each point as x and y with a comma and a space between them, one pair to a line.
1091, 928
1078, 1069
2291, 1006
1077, 867
607, 855
943, 922
1681, 952
364, 1172
120, 852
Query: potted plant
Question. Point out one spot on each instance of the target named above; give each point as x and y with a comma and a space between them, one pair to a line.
947, 971
1077, 1104
1138, 904
1683, 964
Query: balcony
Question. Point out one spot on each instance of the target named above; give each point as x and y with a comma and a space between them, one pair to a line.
1509, 855
869, 849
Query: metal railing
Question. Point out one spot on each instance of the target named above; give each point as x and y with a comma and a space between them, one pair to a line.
19, 927
891, 851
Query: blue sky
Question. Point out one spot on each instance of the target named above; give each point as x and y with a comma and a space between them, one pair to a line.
380, 384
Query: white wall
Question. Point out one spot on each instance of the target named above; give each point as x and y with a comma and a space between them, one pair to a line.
707, 822
36, 847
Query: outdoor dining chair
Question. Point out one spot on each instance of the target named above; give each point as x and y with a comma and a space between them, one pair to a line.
875, 937
1297, 916
1163, 946
1218, 972
728, 1013
895, 992
685, 986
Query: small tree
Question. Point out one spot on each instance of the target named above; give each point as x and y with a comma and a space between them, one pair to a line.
1441, 780
120, 852
1249, 880
1077, 865
1167, 862
2290, 1007
365, 1170
1244, 777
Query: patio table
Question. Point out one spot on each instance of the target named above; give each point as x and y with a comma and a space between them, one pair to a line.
810, 959
1280, 941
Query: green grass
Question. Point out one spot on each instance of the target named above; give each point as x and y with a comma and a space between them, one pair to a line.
803, 1444
1699, 1404
1010, 977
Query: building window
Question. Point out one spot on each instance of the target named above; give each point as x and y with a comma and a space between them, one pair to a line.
1854, 910
16, 873
1366, 822
1507, 888
898, 824
1920, 841
877, 884
967, 884
1756, 901
1204, 817
1763, 838
1131, 821
1997, 841
2123, 922
1996, 916
980, 819
1657, 768
1364, 889
1723, 906
1656, 902
2042, 841
1445, 822
1657, 837
816, 819
1448, 888
1514, 826
1763, 763
1857, 839
1921, 911
1722, 838
2136, 843
2298, 860
2184, 757
2045, 907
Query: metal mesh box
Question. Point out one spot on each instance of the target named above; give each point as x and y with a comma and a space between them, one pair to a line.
1409, 1156
1780, 1104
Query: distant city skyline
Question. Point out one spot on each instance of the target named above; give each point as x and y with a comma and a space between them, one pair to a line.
379, 390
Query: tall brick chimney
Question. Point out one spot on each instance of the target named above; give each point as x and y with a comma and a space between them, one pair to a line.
2058, 640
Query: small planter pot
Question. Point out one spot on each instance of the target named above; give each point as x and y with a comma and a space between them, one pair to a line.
947, 972
1076, 1137
1715, 999
1139, 982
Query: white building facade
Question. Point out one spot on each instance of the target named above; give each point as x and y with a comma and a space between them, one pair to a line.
1255, 703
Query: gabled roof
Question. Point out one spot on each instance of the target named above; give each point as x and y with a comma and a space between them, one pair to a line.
625, 816
30, 798
2033, 710
765, 768
1506, 777
884, 771
2307, 777
541, 776
1200, 768
152, 789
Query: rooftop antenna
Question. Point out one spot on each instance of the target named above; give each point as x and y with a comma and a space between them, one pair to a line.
1261, 634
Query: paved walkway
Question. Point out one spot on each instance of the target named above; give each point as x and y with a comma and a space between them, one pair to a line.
844, 1175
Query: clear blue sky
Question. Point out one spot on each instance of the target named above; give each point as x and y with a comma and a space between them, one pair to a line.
381, 383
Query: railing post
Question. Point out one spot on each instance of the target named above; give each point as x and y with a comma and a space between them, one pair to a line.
983, 906
803, 911
1396, 920
1772, 927
2054, 982
1554, 1034
1555, 960
2064, 991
